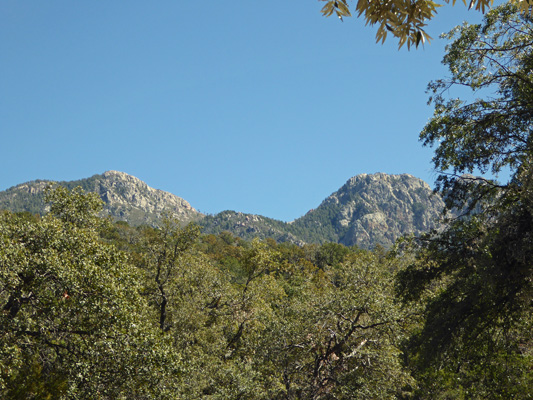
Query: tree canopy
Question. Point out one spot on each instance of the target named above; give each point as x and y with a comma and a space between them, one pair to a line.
90, 310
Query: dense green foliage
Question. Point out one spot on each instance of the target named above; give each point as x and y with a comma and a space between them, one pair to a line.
72, 321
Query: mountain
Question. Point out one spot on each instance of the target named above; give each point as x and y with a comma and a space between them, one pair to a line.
125, 197
370, 209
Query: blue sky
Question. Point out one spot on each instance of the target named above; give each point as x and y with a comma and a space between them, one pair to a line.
260, 107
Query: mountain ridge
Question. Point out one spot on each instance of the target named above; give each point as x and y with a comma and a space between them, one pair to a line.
368, 210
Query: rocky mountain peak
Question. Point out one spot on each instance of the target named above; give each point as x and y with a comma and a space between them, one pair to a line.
125, 198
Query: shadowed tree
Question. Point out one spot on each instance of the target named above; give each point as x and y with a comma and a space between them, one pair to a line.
476, 275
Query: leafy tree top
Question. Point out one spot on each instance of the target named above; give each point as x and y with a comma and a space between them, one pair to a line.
489, 130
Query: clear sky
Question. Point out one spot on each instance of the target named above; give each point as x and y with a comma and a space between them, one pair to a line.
263, 107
